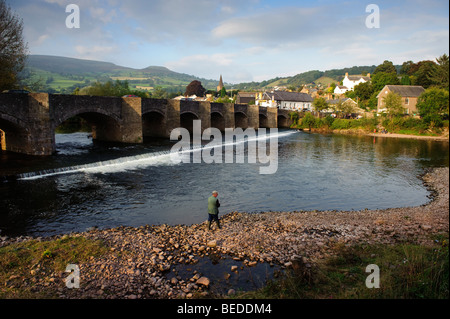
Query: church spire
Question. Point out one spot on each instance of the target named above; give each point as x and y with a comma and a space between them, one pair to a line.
219, 88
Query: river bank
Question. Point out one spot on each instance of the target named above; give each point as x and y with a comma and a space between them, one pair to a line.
144, 262
443, 138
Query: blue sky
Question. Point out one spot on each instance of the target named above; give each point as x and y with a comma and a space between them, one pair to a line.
244, 40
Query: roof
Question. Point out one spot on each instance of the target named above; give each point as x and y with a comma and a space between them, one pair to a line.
247, 94
289, 96
355, 78
405, 90
344, 100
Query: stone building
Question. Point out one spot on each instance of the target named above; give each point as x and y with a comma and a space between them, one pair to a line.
408, 93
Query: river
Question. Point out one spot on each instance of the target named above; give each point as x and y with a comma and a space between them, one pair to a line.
106, 185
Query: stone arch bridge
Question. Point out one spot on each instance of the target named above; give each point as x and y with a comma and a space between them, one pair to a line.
28, 121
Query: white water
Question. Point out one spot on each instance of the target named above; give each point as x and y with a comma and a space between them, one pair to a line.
141, 161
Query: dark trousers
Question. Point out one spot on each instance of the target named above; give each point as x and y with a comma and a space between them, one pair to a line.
213, 217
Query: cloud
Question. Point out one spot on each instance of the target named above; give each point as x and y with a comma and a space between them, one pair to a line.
243, 40
203, 60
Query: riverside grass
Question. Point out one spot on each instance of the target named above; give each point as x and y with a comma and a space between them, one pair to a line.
401, 125
407, 271
22, 264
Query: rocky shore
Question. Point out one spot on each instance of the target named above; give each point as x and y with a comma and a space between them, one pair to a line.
142, 262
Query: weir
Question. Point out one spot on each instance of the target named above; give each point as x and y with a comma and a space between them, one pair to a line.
160, 158
28, 121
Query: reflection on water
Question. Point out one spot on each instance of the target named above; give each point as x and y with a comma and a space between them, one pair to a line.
323, 172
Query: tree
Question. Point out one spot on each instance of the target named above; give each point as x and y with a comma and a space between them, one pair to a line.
364, 90
381, 79
308, 120
223, 92
159, 93
320, 104
110, 88
424, 73
434, 101
407, 67
386, 67
13, 49
439, 76
195, 88
405, 80
393, 103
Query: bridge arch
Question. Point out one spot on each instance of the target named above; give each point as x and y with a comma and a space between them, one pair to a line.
283, 121
154, 124
263, 121
218, 120
241, 120
14, 134
187, 120
104, 126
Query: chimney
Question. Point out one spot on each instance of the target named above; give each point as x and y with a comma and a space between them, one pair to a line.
346, 74
368, 74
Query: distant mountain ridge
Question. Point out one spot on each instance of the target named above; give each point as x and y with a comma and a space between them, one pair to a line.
63, 74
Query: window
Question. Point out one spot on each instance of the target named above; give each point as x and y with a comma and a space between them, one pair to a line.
406, 101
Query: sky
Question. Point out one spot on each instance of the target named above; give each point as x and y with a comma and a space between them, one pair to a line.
242, 40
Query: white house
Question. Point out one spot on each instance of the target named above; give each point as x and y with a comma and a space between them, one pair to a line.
285, 100
340, 89
350, 81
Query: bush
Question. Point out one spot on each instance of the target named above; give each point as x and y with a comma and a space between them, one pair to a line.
433, 120
341, 124
329, 120
309, 121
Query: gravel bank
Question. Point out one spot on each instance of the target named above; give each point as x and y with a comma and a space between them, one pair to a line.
142, 258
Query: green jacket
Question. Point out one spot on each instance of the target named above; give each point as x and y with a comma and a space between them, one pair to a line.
213, 205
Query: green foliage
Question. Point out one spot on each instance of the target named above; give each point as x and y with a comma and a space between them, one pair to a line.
381, 79
386, 67
13, 49
294, 117
433, 120
23, 263
407, 271
223, 92
433, 101
409, 124
424, 74
393, 103
308, 121
364, 90
440, 75
110, 88
329, 120
320, 104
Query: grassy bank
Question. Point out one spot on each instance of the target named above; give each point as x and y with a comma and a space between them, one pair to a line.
407, 271
400, 125
31, 264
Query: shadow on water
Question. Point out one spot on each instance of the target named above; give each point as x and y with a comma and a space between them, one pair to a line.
217, 268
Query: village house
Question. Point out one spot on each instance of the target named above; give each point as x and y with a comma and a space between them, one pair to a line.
246, 98
285, 100
348, 104
350, 81
408, 93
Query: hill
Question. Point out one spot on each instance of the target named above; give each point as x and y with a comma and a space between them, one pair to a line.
308, 78
57, 74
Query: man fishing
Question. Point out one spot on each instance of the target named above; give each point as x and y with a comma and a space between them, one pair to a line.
213, 210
